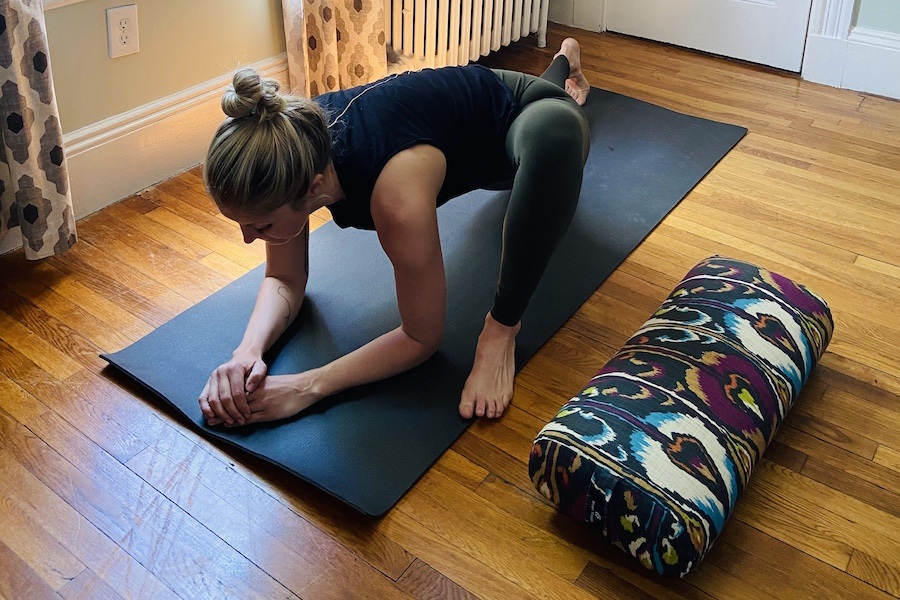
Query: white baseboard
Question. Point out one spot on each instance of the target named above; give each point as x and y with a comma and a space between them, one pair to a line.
117, 157
120, 156
583, 14
873, 62
11, 241
866, 61
824, 60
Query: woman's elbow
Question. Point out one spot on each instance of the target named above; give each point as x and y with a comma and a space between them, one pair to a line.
428, 345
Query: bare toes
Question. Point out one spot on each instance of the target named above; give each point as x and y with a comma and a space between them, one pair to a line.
480, 408
499, 408
466, 409
577, 93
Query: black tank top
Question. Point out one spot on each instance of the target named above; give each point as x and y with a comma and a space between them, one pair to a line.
465, 112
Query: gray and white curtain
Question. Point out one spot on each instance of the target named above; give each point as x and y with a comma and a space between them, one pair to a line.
34, 185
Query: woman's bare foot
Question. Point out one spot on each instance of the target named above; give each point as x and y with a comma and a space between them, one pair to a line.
489, 387
577, 84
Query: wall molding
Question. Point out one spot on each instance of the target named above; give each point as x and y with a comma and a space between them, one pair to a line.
117, 157
51, 4
875, 37
856, 58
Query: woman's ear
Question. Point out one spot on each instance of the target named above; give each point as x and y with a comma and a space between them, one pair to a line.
315, 186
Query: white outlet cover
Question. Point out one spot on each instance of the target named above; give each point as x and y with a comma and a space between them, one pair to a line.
122, 30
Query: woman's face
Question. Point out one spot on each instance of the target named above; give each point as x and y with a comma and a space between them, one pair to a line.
277, 227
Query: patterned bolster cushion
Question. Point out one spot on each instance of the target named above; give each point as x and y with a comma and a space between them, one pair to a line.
656, 449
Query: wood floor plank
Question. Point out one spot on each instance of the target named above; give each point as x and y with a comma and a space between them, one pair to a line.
770, 567
511, 549
132, 513
857, 414
36, 348
303, 567
95, 330
619, 571
130, 289
139, 221
887, 457
843, 462
423, 582
25, 537
876, 494
872, 180
460, 469
88, 586
827, 431
824, 522
316, 541
793, 255
60, 334
18, 580
100, 427
892, 270
859, 378
142, 253
224, 266
114, 566
183, 485
451, 560
231, 250
603, 583
786, 456
876, 572
489, 457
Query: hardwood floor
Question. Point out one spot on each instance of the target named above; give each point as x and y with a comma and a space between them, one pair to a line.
105, 494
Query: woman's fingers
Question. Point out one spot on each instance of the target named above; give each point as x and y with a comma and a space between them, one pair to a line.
225, 397
226, 408
239, 397
256, 375
204, 402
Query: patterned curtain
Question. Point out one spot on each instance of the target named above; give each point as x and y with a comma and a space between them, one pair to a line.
34, 183
334, 44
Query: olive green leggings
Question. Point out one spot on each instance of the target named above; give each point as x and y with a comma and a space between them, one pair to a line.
547, 146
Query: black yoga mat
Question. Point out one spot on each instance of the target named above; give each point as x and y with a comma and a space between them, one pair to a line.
368, 445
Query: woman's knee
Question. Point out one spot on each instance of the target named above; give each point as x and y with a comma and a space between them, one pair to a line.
551, 130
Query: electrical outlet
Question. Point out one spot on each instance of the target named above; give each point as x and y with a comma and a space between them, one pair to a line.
122, 30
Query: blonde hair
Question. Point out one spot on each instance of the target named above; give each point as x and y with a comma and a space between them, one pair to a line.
266, 153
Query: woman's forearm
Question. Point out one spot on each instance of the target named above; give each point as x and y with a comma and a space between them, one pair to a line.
277, 305
385, 356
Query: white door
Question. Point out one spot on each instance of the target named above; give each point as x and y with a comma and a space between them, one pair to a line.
769, 32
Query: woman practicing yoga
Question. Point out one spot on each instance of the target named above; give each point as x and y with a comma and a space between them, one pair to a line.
384, 156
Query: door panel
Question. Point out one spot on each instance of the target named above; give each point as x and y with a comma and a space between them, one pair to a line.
769, 32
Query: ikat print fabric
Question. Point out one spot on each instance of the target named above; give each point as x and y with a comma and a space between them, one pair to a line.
34, 183
658, 446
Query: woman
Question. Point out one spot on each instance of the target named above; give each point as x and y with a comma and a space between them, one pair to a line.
384, 156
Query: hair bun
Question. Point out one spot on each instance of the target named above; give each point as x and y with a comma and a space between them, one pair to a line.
249, 95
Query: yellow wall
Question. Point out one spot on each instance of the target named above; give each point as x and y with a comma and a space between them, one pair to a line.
183, 43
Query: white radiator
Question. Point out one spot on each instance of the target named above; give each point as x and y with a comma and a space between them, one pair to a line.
439, 33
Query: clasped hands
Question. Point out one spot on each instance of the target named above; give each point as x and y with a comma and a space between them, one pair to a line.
240, 392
